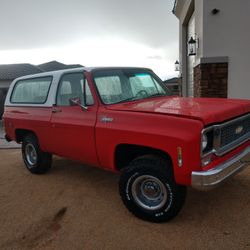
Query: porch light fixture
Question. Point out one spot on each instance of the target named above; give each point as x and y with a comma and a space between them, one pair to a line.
192, 46
215, 11
177, 65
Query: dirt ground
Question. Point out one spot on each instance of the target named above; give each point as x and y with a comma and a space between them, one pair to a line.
78, 207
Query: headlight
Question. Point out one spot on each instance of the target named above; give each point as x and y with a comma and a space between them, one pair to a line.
207, 138
207, 144
204, 141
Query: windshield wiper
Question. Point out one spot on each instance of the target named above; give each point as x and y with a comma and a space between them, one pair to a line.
155, 95
126, 100
133, 98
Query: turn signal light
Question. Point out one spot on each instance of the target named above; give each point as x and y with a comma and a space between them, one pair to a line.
179, 155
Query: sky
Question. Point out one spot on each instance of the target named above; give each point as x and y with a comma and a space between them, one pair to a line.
90, 32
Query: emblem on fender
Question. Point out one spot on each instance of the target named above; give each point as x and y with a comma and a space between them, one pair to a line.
238, 130
106, 119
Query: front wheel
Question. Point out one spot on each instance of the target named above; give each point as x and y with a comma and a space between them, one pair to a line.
36, 161
149, 191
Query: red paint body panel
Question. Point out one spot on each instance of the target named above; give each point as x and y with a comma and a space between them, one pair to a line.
209, 110
149, 130
72, 134
162, 123
35, 119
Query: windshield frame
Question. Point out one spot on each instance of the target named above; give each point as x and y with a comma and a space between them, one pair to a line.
115, 70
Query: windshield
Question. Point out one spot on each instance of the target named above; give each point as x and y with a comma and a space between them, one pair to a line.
121, 85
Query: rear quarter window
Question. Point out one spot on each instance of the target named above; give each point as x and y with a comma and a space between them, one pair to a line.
33, 90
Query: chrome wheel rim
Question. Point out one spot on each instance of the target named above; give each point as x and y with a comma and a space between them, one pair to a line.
31, 154
149, 192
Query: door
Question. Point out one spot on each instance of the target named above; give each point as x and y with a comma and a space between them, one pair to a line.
72, 127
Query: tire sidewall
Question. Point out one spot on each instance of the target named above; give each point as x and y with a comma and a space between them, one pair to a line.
143, 212
27, 141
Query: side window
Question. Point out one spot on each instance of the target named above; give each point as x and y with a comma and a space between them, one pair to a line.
72, 86
109, 88
33, 91
89, 97
145, 82
66, 88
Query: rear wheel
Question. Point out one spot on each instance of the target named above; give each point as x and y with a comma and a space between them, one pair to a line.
149, 191
36, 161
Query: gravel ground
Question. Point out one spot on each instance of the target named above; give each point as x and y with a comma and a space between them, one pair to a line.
78, 207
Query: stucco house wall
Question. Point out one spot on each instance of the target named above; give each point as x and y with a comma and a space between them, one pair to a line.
227, 34
223, 45
5, 83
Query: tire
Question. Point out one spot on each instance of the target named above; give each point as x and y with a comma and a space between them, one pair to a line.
36, 161
149, 191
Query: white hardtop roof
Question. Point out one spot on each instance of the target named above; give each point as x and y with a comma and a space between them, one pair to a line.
52, 73
83, 69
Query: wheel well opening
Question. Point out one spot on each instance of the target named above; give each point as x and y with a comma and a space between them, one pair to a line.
21, 133
125, 153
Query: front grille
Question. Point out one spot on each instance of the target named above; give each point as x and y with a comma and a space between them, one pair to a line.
227, 136
234, 132
231, 132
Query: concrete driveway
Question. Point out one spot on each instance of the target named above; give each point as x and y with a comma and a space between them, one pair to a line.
78, 207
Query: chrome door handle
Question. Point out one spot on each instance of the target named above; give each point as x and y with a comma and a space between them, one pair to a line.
56, 110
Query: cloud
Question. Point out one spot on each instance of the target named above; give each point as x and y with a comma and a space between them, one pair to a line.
109, 53
90, 32
155, 57
35, 24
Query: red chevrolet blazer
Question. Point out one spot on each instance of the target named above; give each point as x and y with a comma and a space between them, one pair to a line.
125, 120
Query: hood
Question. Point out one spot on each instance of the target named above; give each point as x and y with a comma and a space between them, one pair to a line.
208, 110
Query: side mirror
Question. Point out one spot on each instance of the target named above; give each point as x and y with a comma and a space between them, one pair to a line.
77, 102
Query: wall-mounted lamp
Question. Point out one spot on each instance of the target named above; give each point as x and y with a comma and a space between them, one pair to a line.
177, 66
192, 45
215, 11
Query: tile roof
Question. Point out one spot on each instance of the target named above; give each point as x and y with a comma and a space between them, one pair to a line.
54, 65
172, 80
174, 8
12, 71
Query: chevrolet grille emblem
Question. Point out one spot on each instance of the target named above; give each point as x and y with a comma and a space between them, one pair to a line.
238, 130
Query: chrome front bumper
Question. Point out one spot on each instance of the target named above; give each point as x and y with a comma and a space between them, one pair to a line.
205, 180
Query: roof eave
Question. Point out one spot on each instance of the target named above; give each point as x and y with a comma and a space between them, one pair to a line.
178, 5
174, 8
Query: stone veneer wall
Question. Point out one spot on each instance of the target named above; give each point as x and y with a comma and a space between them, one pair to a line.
211, 80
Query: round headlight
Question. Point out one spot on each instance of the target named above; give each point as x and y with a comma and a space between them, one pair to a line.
204, 141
